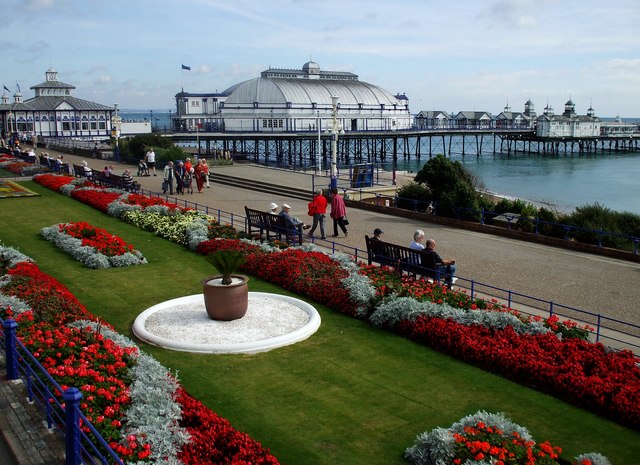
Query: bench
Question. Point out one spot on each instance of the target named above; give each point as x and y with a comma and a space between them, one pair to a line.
267, 223
79, 172
403, 259
114, 180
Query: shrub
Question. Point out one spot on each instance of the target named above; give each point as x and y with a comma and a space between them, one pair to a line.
414, 191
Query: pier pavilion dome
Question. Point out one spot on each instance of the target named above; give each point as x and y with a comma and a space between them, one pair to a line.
288, 100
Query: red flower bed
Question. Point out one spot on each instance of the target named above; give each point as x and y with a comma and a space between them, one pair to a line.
97, 198
104, 242
312, 274
145, 201
49, 299
53, 181
484, 442
17, 167
577, 371
214, 440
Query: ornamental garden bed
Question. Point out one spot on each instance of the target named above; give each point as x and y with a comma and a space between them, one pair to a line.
94, 247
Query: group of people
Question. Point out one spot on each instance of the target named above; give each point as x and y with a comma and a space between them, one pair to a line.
183, 173
317, 210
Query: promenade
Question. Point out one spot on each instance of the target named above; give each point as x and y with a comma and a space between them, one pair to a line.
588, 282
592, 283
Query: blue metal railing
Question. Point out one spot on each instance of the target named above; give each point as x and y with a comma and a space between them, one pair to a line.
569, 232
83, 443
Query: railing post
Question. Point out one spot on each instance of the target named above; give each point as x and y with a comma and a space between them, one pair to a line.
509, 299
72, 398
473, 285
551, 308
598, 328
11, 353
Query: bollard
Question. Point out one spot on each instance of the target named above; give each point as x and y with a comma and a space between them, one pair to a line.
72, 397
10, 326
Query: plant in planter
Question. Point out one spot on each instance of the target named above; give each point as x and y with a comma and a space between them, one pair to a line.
226, 296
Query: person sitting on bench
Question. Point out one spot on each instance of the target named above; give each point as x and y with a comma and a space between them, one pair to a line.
292, 221
446, 267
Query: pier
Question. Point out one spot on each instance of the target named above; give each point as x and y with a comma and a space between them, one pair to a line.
308, 150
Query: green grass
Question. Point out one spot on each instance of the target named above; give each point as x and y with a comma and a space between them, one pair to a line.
350, 394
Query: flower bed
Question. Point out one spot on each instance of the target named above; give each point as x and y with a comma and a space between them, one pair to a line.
487, 438
94, 247
134, 402
545, 354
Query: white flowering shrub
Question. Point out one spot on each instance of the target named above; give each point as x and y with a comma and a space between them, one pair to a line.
153, 415
394, 309
10, 257
594, 457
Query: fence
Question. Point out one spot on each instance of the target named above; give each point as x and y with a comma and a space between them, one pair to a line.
536, 226
616, 333
83, 443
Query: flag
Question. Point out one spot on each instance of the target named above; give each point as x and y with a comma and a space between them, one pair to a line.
18, 86
188, 68
5, 88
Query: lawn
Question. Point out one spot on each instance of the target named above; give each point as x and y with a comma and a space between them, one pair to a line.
351, 394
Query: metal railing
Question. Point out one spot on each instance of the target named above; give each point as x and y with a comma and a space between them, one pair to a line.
83, 443
535, 226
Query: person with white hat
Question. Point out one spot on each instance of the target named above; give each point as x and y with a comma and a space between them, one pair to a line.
273, 208
293, 221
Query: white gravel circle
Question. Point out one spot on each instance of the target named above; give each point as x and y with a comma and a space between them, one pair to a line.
271, 321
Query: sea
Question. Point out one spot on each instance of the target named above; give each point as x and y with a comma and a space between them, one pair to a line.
562, 181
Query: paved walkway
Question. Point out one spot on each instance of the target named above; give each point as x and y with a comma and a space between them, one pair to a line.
598, 284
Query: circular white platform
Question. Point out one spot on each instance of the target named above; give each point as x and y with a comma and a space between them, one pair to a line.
271, 321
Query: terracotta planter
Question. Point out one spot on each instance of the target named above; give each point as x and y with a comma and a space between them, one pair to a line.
226, 302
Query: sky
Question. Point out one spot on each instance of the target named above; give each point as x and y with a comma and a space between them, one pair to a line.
444, 55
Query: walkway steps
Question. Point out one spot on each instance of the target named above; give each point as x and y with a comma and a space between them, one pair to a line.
276, 190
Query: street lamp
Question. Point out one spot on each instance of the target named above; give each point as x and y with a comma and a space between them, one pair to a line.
115, 132
318, 155
334, 144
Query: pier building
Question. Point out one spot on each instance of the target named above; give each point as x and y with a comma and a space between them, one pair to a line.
294, 100
54, 112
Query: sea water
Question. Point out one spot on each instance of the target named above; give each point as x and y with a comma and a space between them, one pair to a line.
562, 181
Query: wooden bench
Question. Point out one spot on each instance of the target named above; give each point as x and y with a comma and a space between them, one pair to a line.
79, 172
114, 180
403, 259
269, 223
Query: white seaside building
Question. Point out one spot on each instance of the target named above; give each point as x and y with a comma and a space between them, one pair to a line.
288, 100
569, 124
54, 112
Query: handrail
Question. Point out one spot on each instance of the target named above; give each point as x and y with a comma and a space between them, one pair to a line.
80, 446
569, 231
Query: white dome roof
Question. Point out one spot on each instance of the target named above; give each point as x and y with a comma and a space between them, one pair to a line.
307, 91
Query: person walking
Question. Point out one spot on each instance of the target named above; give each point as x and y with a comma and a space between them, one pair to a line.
150, 158
199, 175
318, 210
178, 173
338, 213
167, 183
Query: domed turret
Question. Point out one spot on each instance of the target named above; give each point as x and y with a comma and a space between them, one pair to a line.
311, 67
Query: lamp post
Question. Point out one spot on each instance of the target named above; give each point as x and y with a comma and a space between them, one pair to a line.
115, 131
334, 144
319, 154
